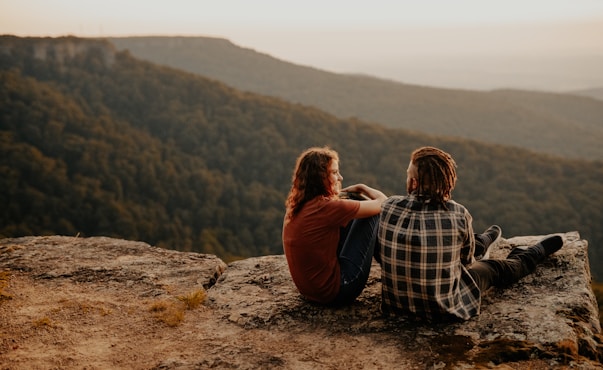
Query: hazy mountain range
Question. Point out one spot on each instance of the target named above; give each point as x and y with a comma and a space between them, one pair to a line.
596, 93
569, 125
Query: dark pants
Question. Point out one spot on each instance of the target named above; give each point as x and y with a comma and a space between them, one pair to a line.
355, 254
502, 273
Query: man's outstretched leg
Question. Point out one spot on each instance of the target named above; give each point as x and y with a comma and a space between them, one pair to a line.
519, 263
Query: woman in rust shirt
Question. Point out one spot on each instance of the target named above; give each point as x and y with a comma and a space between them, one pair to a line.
328, 241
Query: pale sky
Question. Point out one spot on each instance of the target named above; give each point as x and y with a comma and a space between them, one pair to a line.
380, 37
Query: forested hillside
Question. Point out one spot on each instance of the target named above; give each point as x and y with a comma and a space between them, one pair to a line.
560, 124
96, 142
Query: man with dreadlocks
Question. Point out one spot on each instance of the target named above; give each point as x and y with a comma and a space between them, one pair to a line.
427, 248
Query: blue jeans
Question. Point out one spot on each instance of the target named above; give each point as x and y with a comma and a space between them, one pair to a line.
355, 254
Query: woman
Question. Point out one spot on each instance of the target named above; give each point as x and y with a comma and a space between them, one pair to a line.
328, 241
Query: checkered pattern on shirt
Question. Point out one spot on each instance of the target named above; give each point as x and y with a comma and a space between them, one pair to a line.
424, 248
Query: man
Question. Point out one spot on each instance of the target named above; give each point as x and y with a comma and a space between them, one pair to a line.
427, 247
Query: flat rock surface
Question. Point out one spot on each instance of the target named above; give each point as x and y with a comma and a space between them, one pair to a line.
92, 303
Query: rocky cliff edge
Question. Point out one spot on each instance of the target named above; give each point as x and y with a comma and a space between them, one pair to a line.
96, 303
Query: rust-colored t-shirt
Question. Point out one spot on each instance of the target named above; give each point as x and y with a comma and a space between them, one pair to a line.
310, 242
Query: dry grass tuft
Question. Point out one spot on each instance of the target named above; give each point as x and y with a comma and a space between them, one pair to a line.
81, 307
169, 312
193, 299
44, 322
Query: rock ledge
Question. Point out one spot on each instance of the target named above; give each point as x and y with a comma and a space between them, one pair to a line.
253, 316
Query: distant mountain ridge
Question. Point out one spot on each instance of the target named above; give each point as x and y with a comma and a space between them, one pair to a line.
560, 124
595, 93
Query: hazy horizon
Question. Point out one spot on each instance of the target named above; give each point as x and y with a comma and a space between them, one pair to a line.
553, 45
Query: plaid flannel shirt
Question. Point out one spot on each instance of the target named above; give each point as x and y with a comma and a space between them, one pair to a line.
424, 248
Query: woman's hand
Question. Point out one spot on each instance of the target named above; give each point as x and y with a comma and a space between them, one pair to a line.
369, 207
365, 190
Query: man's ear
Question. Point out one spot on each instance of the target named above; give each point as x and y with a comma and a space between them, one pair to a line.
414, 183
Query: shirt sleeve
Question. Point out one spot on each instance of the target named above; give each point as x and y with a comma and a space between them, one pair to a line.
468, 249
342, 211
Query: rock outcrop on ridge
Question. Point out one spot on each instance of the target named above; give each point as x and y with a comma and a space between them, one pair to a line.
68, 302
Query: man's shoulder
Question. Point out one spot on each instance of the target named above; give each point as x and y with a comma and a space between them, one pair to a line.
395, 200
455, 206
396, 197
411, 201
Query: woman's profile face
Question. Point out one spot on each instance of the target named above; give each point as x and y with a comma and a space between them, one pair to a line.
335, 177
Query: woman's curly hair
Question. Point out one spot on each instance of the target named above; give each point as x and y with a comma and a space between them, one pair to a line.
310, 178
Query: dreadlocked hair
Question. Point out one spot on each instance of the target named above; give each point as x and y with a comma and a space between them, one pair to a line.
310, 178
437, 173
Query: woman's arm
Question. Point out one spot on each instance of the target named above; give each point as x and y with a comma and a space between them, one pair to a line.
369, 207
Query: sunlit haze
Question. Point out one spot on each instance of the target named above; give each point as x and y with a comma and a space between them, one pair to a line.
537, 44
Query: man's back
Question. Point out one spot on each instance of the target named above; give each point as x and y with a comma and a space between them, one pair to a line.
423, 248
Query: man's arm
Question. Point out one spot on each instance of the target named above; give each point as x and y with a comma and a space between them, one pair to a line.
468, 249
